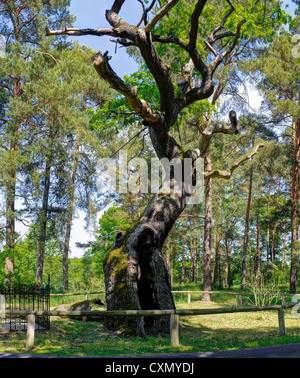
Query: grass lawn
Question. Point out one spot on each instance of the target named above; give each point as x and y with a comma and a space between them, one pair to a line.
197, 334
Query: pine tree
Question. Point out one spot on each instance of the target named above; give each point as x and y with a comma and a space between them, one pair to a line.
22, 25
278, 81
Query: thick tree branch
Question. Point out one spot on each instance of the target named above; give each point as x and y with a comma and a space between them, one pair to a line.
76, 32
195, 23
117, 5
161, 73
138, 105
228, 173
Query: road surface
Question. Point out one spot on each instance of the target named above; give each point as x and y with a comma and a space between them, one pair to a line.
279, 351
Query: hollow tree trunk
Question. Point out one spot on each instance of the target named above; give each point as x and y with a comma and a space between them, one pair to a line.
136, 275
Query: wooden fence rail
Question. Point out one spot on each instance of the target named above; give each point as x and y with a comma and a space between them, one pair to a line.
189, 293
174, 316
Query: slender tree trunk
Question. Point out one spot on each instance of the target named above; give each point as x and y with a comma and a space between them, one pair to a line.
274, 229
11, 191
246, 234
43, 216
65, 256
294, 196
216, 279
207, 233
43, 225
217, 267
257, 250
268, 226
183, 257
227, 280
10, 224
193, 255
283, 247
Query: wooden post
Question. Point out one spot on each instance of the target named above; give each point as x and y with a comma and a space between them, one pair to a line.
174, 330
240, 300
283, 299
281, 322
86, 296
30, 331
189, 297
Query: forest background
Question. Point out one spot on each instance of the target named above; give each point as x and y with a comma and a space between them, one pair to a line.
58, 119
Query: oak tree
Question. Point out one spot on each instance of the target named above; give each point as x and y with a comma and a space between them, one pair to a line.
136, 276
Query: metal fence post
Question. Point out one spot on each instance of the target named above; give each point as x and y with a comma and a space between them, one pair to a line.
30, 331
174, 330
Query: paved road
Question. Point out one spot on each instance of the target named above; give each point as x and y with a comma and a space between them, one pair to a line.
280, 351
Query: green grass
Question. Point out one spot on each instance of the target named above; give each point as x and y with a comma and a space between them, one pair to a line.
197, 334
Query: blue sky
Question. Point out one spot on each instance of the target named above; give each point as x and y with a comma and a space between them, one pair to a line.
91, 14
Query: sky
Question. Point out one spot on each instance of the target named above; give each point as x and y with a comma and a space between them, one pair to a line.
91, 14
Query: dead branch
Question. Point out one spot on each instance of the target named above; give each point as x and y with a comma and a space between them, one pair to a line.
226, 174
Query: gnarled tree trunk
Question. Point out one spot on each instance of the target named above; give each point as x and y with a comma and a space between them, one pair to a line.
136, 274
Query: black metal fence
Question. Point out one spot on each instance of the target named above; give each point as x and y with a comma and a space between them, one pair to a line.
22, 297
